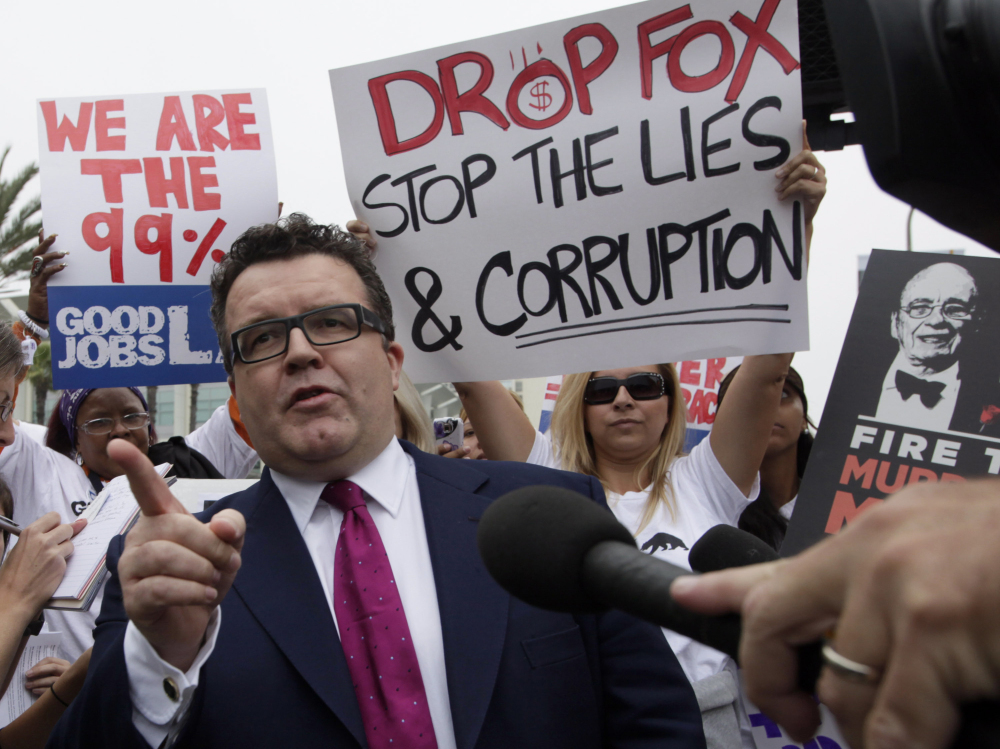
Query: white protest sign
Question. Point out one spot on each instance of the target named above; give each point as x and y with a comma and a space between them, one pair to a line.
590, 193
147, 192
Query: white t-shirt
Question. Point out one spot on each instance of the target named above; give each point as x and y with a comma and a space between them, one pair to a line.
788, 508
42, 480
703, 496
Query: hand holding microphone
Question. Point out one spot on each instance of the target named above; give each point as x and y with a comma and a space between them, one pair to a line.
917, 577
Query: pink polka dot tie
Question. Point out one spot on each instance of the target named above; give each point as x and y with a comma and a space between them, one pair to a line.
373, 631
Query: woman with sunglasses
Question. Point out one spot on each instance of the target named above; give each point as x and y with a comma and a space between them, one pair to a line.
626, 427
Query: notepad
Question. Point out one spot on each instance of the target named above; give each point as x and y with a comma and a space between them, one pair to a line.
113, 512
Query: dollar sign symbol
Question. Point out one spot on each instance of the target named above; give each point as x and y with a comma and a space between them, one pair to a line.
544, 99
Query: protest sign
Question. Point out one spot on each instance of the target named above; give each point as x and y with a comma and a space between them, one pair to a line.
916, 394
147, 192
700, 380
585, 194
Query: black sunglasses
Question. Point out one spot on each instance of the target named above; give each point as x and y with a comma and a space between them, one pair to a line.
642, 386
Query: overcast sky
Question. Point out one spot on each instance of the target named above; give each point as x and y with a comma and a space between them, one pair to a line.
59, 48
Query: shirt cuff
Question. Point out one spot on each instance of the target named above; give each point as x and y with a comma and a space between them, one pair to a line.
161, 693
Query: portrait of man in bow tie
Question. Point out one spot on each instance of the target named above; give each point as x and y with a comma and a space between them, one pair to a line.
936, 326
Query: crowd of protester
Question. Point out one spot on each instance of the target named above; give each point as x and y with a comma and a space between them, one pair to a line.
623, 426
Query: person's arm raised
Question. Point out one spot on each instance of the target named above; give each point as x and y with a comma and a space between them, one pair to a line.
504, 431
175, 569
744, 421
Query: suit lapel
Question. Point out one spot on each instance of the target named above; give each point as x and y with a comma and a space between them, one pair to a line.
473, 608
279, 586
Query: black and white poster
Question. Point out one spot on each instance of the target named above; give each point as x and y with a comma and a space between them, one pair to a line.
916, 394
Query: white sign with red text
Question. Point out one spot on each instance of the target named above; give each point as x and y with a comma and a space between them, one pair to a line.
590, 193
147, 192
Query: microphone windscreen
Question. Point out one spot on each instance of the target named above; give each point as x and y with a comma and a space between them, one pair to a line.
724, 546
533, 541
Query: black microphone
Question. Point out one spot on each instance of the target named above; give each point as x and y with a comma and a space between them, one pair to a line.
558, 550
723, 547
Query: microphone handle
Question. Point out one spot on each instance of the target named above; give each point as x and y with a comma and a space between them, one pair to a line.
622, 577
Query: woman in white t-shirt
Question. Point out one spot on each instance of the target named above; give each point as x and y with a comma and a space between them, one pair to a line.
626, 427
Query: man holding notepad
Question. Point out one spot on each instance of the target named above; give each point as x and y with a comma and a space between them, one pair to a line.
359, 612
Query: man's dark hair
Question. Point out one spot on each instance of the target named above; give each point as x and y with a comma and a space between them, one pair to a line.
289, 238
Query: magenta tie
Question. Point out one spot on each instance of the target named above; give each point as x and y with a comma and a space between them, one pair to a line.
373, 631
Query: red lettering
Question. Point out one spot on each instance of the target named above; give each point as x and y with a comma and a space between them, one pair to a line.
114, 221
881, 481
687, 399
538, 69
696, 412
111, 171
173, 124
918, 475
700, 407
161, 245
209, 114
713, 373
691, 84
711, 406
691, 372
473, 99
383, 110
757, 36
237, 120
649, 52
157, 185
583, 75
102, 123
203, 201
853, 471
66, 130
844, 510
206, 244
951, 477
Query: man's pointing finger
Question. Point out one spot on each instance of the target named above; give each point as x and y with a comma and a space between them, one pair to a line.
149, 488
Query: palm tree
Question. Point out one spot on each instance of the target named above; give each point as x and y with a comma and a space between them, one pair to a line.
40, 377
19, 229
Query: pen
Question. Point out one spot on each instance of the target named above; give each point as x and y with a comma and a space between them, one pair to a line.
6, 524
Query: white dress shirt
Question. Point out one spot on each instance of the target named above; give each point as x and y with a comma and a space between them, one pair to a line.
912, 412
391, 481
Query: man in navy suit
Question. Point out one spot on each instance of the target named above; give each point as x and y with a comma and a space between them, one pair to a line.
289, 656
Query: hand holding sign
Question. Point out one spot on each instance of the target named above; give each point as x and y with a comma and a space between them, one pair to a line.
43, 267
175, 569
912, 589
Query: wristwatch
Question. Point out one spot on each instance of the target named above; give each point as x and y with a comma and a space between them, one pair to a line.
35, 625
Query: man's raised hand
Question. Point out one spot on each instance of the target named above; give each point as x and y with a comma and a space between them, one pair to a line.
175, 569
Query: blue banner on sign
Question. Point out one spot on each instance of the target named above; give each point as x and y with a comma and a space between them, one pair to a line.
112, 336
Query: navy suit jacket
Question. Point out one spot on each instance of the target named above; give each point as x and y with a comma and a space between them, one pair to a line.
518, 676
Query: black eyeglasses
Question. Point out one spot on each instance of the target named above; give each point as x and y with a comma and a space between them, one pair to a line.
325, 326
136, 420
642, 386
951, 310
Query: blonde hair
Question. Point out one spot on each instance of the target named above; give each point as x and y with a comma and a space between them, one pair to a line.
417, 427
576, 449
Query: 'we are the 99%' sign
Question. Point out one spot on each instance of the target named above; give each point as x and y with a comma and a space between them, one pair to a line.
147, 192
588, 193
